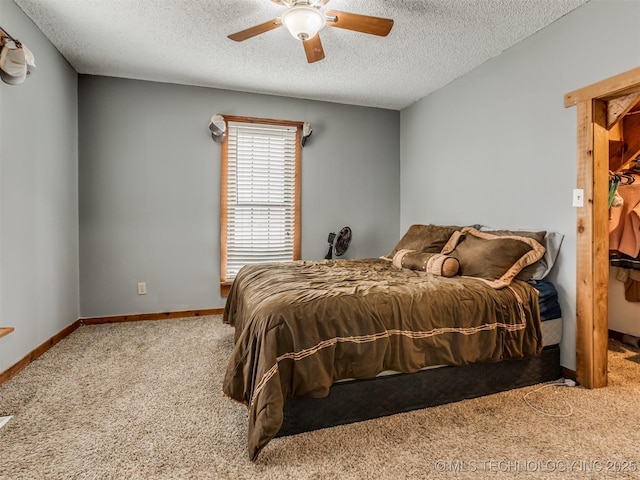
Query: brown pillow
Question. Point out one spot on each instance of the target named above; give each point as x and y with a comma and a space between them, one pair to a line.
527, 273
497, 259
434, 263
425, 238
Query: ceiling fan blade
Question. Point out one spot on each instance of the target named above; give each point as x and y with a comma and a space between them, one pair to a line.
313, 49
360, 23
322, 3
257, 30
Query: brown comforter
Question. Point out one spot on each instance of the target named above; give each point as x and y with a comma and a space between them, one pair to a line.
301, 326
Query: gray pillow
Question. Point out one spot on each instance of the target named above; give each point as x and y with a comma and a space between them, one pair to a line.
552, 243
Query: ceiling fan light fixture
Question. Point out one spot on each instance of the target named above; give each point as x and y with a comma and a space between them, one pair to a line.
303, 22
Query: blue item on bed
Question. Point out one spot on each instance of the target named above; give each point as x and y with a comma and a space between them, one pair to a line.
549, 306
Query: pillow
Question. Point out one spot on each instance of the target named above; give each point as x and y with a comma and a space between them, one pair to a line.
496, 259
425, 238
552, 243
528, 272
434, 263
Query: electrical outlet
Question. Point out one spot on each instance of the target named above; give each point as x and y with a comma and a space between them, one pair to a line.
142, 288
578, 197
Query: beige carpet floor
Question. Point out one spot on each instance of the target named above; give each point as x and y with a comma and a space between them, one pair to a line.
143, 400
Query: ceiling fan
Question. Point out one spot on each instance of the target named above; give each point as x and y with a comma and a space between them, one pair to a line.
304, 20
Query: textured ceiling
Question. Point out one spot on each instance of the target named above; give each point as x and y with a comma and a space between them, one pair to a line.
184, 41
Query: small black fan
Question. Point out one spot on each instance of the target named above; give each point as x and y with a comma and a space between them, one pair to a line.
339, 243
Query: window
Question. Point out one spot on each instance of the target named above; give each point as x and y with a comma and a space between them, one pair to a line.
260, 194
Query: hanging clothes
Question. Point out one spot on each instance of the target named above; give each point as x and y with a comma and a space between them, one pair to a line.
614, 183
624, 262
624, 223
632, 287
624, 234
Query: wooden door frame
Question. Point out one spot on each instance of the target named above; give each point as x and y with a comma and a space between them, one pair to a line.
592, 222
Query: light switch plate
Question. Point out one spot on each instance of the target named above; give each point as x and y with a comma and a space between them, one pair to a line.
578, 197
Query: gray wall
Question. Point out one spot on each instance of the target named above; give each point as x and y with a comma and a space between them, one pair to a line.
38, 196
150, 188
497, 146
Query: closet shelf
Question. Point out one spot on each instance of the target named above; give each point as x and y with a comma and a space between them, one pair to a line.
5, 331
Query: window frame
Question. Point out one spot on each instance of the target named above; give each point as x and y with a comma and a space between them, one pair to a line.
225, 285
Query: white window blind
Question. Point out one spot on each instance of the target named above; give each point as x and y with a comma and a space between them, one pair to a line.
261, 175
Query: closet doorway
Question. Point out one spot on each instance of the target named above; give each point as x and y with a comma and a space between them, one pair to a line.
599, 106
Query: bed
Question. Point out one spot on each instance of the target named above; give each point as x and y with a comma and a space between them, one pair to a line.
320, 343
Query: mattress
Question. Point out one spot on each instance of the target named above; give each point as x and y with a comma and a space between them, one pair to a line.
550, 312
551, 332
551, 335
550, 316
